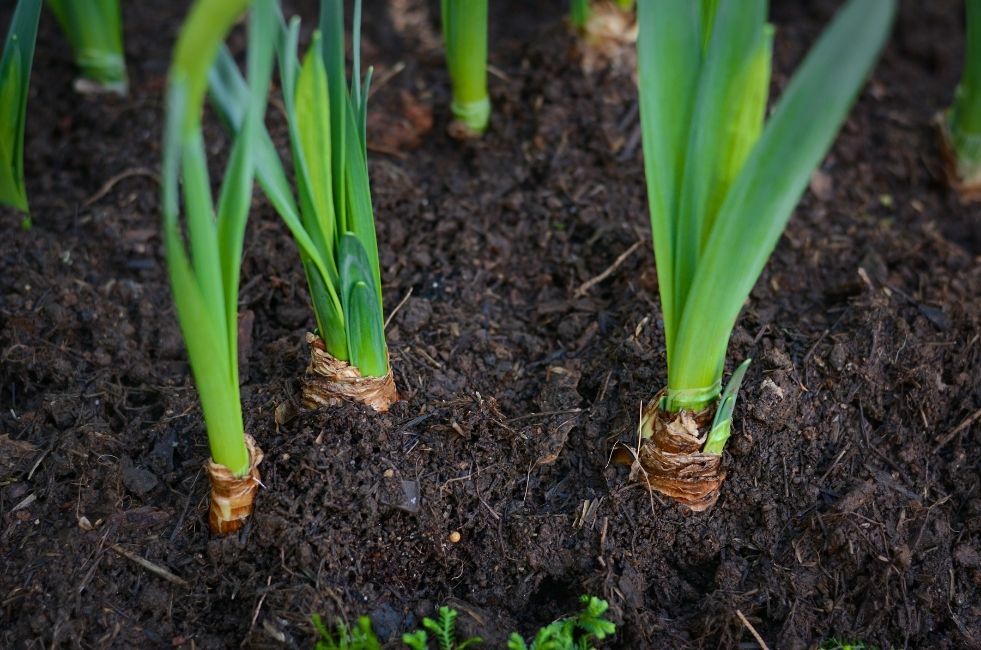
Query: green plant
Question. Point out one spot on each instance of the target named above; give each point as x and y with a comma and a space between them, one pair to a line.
721, 186
465, 39
836, 644
205, 282
573, 633
444, 631
15, 78
95, 31
579, 13
962, 123
332, 220
361, 637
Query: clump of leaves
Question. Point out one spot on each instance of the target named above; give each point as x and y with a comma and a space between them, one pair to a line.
573, 633
360, 637
444, 633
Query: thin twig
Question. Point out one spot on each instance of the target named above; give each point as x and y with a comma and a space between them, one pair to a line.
149, 566
397, 308
111, 183
956, 430
752, 630
545, 414
589, 284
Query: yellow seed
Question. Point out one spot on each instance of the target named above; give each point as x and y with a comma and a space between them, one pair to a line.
454, 537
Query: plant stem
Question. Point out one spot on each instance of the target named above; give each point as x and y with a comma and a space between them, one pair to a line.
579, 13
94, 28
465, 36
965, 114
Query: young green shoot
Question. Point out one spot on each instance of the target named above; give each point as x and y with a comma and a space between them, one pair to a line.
963, 120
579, 13
95, 30
465, 40
205, 279
579, 632
331, 218
15, 78
722, 181
358, 637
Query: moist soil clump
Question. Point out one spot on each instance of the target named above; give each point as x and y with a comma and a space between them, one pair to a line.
851, 507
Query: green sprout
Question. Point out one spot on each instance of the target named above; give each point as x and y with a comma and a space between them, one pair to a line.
465, 38
962, 123
444, 632
837, 644
722, 181
574, 633
579, 13
205, 281
15, 78
95, 31
334, 224
360, 637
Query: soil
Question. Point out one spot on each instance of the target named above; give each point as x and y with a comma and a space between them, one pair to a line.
852, 506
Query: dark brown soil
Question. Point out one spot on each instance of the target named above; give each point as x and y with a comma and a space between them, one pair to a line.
852, 507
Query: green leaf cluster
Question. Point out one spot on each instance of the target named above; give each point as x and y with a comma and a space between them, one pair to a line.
205, 278
15, 78
721, 180
360, 637
465, 39
95, 31
575, 633
443, 629
331, 218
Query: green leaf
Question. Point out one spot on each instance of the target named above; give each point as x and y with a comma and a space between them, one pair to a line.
737, 34
94, 29
15, 77
365, 327
760, 202
668, 59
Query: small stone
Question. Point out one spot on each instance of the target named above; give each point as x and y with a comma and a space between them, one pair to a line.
388, 473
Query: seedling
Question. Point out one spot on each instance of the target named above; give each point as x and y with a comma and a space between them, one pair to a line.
465, 39
575, 633
15, 78
721, 187
95, 30
360, 637
443, 629
334, 225
205, 282
960, 126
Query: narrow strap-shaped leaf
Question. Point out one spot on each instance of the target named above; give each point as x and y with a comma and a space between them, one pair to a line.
668, 58
365, 328
15, 78
736, 35
332, 33
207, 353
755, 212
361, 220
722, 422
229, 93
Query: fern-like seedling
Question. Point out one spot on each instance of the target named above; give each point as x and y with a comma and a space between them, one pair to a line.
361, 637
444, 633
573, 633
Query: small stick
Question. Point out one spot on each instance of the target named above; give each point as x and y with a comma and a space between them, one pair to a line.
589, 284
149, 566
960, 427
752, 630
397, 308
111, 183
545, 414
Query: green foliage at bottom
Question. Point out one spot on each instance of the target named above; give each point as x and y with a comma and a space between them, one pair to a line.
579, 632
574, 633
360, 637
